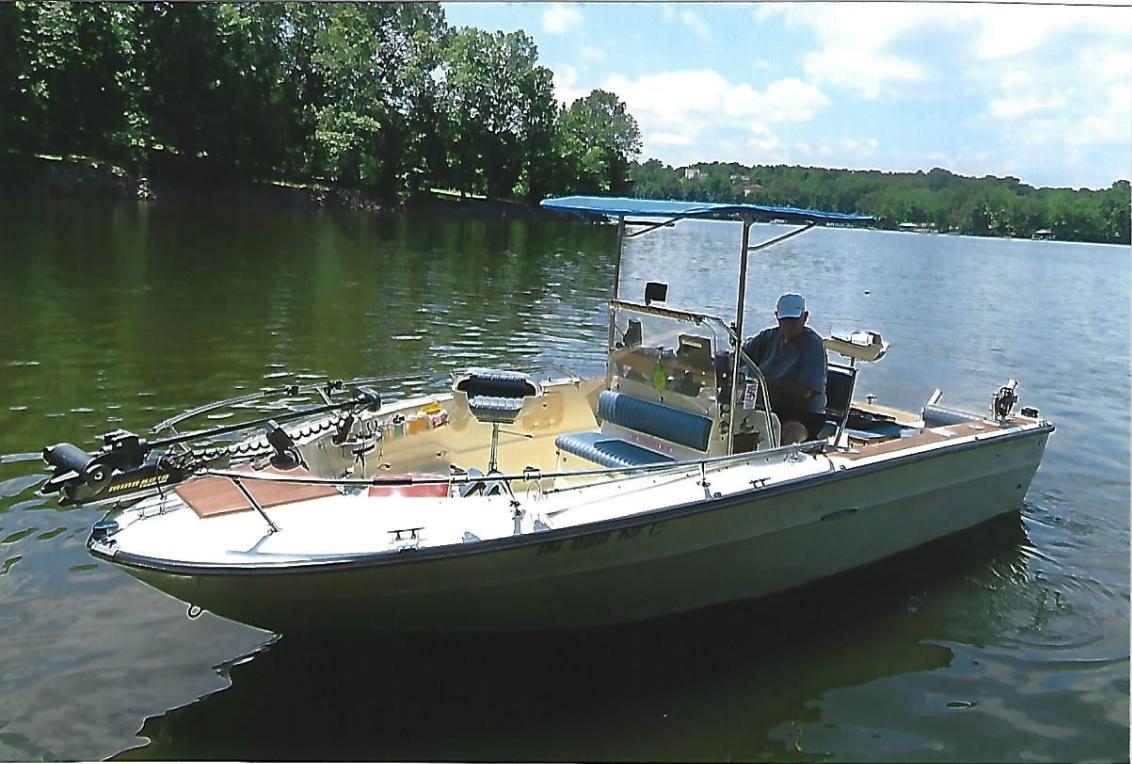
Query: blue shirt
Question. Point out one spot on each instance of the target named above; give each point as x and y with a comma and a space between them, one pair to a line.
802, 360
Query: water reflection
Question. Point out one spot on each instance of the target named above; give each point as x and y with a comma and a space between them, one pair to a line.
723, 684
121, 315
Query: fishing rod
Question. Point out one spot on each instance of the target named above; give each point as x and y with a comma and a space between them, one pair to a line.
123, 465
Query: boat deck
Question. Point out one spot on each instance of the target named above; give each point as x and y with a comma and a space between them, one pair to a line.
862, 450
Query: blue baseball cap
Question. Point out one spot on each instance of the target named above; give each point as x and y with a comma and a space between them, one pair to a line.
790, 305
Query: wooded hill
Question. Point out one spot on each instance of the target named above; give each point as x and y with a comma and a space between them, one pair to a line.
937, 200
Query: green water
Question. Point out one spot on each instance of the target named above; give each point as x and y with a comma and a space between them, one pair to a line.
1009, 643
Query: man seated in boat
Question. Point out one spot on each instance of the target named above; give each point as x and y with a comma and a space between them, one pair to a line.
791, 356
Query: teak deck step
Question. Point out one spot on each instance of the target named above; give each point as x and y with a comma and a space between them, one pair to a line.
211, 496
931, 435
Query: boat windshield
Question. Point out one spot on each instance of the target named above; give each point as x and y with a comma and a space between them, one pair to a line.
671, 352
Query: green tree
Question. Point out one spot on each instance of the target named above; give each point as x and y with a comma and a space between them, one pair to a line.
499, 98
69, 79
375, 62
602, 138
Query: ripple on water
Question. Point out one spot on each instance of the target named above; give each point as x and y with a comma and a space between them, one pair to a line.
13, 487
17, 458
12, 538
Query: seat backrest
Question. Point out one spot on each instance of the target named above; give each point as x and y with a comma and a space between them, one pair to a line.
496, 396
656, 419
839, 383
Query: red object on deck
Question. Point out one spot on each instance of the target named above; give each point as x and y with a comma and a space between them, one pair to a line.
424, 489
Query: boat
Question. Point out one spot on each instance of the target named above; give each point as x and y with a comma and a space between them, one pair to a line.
508, 500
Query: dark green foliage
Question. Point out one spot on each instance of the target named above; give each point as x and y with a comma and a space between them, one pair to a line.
389, 99
599, 139
937, 200
383, 97
70, 81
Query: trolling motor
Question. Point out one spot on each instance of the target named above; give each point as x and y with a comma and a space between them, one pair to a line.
1004, 400
121, 467
125, 464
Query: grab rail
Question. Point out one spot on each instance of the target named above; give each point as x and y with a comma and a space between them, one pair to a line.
529, 474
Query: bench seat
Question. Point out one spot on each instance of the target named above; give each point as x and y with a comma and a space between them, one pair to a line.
656, 419
607, 450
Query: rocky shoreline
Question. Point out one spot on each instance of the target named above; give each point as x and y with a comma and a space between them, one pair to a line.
71, 178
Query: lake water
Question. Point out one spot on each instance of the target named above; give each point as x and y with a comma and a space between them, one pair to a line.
1007, 643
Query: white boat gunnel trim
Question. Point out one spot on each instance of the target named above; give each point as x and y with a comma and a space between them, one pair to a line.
640, 520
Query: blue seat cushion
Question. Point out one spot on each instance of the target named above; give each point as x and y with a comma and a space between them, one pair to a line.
656, 419
607, 451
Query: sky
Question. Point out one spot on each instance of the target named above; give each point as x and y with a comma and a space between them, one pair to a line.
1039, 92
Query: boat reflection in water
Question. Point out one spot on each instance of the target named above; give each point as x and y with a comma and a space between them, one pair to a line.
729, 683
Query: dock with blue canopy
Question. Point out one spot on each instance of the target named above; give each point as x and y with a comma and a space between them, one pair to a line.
669, 211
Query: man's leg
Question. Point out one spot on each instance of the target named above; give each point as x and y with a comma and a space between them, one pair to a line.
793, 432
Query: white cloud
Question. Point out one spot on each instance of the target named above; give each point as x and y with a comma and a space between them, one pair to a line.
560, 18
1082, 98
690, 19
698, 97
1006, 31
1053, 84
865, 72
590, 53
566, 88
868, 48
697, 114
1012, 108
1110, 125
698, 26
854, 42
671, 139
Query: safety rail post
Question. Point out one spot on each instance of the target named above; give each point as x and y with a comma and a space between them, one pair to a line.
612, 299
255, 504
738, 333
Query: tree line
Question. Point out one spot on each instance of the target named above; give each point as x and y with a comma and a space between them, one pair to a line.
937, 200
387, 98
391, 100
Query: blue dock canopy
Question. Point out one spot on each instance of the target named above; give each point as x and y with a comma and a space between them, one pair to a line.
615, 206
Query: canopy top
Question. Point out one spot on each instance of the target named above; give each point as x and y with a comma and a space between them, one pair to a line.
613, 206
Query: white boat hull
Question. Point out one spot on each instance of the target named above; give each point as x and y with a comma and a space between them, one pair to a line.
640, 566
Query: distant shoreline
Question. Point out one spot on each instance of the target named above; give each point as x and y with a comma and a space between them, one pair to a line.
88, 179
74, 178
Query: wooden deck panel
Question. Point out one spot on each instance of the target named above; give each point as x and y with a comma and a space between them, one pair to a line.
211, 495
932, 435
